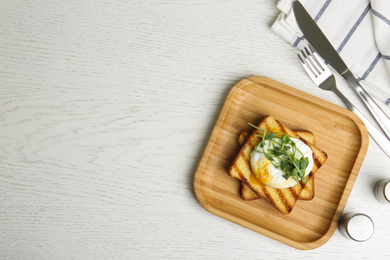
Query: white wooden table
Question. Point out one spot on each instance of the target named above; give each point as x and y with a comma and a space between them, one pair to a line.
105, 110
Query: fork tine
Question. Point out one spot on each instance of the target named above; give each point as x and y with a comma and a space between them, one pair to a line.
308, 67
312, 63
316, 68
315, 59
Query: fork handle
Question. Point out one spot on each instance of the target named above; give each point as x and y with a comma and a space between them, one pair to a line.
379, 138
372, 106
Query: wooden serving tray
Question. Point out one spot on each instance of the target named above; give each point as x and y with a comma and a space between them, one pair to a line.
338, 132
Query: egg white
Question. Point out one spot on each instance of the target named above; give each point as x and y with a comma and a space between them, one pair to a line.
268, 174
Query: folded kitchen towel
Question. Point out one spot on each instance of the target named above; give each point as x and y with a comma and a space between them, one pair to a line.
358, 29
381, 19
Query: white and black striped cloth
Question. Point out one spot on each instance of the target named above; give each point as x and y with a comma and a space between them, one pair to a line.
358, 29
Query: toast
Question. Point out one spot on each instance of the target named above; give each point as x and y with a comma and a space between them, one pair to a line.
306, 194
282, 199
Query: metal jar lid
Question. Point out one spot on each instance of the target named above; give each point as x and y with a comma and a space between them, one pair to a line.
382, 191
358, 227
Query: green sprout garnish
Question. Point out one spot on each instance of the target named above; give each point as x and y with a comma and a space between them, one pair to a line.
283, 153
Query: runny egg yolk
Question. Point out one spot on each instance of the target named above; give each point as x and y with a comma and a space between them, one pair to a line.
262, 172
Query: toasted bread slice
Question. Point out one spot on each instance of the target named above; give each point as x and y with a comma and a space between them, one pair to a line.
282, 199
306, 194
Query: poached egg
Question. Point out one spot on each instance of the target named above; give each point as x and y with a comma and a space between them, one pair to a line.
268, 174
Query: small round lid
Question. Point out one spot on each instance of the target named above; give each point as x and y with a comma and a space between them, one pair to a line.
360, 227
386, 191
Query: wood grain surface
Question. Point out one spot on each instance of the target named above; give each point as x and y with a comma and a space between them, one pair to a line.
106, 107
340, 133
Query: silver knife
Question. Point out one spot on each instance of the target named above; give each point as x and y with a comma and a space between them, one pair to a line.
322, 45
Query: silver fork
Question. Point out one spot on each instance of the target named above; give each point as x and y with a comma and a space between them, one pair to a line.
323, 77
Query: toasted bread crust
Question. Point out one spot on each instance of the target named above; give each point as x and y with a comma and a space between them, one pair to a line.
282, 199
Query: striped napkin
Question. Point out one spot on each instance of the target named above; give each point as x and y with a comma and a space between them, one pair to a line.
358, 29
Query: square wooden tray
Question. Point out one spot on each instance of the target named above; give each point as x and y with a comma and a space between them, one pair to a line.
338, 132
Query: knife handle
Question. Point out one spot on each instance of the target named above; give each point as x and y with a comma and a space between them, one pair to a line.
377, 135
380, 116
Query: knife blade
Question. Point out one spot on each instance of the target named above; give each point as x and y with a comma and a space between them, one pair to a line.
322, 45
